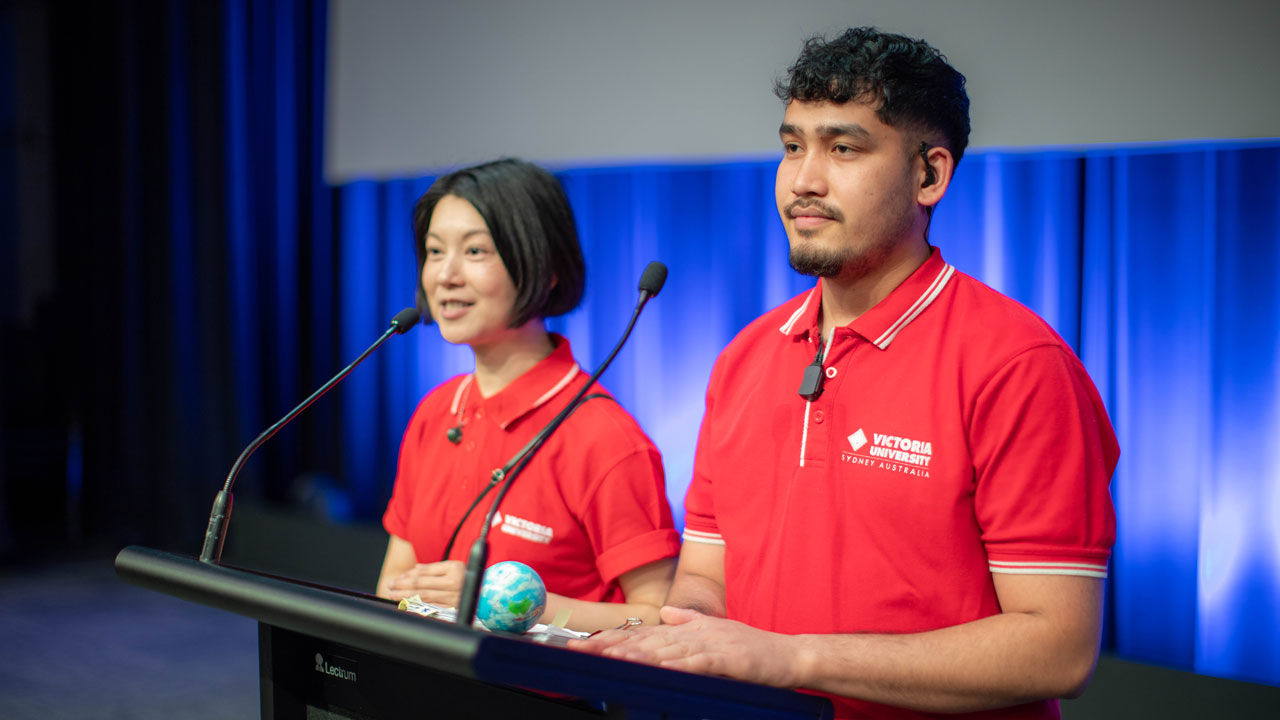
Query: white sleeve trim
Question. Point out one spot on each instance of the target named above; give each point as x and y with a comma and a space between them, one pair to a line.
1048, 568
703, 537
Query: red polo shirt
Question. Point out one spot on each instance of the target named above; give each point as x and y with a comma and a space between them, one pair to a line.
590, 505
956, 436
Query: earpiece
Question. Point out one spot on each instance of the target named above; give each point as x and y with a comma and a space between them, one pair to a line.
929, 176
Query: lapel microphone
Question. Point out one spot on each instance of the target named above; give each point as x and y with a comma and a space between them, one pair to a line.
811, 382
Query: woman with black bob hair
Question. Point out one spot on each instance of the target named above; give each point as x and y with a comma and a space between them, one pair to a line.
497, 252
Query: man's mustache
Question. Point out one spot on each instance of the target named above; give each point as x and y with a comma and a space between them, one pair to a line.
813, 204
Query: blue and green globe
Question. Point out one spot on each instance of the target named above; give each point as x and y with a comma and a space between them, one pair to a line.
512, 597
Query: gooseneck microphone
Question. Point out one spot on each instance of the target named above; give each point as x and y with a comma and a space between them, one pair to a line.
651, 281
216, 534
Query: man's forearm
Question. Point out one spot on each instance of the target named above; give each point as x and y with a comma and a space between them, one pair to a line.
1044, 645
1002, 660
697, 592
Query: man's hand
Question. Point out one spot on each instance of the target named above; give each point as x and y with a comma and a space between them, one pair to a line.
693, 642
438, 583
1043, 645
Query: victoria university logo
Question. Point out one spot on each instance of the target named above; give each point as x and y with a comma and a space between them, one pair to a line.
521, 528
889, 452
324, 668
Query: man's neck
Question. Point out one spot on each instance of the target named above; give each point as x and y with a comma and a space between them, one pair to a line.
846, 299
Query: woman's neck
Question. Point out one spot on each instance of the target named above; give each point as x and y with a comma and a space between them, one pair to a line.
499, 364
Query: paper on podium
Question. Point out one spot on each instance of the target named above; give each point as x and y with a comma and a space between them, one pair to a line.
540, 633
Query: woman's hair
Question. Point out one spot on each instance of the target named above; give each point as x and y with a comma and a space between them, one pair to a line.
532, 226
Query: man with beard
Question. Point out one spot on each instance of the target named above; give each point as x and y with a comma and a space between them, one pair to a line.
924, 526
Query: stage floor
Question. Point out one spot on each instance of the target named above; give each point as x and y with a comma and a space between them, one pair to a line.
78, 642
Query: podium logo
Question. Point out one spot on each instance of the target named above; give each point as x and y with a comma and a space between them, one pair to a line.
324, 668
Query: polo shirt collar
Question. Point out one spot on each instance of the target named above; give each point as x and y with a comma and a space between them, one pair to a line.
882, 323
536, 387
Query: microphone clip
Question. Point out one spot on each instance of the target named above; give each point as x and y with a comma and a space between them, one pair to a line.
811, 382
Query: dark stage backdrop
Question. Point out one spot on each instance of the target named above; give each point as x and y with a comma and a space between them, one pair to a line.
203, 280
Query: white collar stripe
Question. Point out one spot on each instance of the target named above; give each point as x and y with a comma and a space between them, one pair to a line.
930, 294
924, 299
790, 323
573, 372
457, 395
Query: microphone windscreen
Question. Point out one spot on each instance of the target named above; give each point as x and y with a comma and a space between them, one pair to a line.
404, 320
654, 277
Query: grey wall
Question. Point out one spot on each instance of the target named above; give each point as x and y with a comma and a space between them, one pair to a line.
416, 84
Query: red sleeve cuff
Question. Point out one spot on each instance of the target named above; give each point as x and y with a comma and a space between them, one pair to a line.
392, 523
639, 550
701, 528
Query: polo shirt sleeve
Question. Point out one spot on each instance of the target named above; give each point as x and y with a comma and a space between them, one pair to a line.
627, 515
699, 504
396, 518
1043, 452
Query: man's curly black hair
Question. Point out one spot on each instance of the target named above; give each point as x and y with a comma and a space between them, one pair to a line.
913, 85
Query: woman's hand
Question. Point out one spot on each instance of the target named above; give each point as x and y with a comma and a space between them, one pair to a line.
438, 583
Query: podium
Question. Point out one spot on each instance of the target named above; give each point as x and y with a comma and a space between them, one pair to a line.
326, 653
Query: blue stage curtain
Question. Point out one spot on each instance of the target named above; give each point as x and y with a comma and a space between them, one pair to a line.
1153, 263
281, 275
207, 279
1156, 264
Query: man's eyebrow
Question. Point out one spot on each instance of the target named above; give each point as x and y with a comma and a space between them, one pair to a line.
852, 130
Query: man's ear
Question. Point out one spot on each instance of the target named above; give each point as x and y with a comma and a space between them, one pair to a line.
936, 168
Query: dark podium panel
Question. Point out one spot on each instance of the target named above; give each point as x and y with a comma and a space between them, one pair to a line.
308, 677
330, 653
